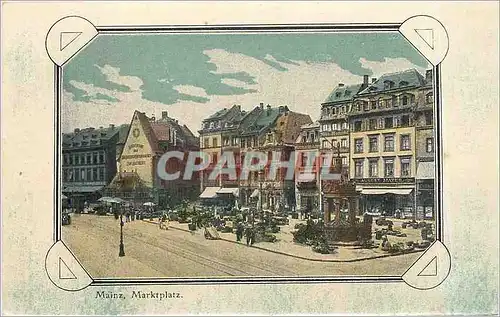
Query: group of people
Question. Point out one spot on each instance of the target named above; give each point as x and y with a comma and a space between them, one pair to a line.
249, 233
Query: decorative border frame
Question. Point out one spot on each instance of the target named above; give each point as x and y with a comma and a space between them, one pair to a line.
258, 28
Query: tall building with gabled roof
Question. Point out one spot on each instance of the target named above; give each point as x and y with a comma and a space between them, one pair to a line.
147, 140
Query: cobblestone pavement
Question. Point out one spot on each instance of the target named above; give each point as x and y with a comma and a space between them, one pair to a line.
151, 252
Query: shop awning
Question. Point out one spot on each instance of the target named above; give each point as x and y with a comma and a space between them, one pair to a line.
255, 193
209, 192
383, 191
234, 191
425, 170
306, 177
81, 189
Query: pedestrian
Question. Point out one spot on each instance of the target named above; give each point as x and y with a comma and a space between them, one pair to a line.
239, 231
127, 216
248, 235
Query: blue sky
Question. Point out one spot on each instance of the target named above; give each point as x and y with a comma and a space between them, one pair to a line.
193, 75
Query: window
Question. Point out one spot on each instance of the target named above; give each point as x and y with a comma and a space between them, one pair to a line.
326, 145
373, 143
76, 175
394, 102
365, 106
70, 159
70, 174
381, 103
95, 161
405, 167
89, 159
94, 174
404, 100
343, 143
357, 126
405, 142
88, 177
358, 168
214, 142
429, 145
77, 159
373, 104
405, 121
358, 107
234, 141
211, 125
428, 118
389, 167
65, 175
214, 158
101, 174
82, 174
389, 143
344, 126
373, 168
101, 157
225, 141
388, 123
358, 146
429, 98
372, 124
397, 121
65, 159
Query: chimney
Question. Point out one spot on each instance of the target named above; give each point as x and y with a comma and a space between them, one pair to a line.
77, 130
268, 109
374, 79
111, 126
428, 76
365, 80
153, 119
164, 114
261, 105
281, 109
341, 85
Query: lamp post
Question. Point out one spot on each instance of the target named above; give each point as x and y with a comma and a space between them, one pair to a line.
122, 248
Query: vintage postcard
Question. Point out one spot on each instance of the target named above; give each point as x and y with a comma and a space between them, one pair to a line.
250, 158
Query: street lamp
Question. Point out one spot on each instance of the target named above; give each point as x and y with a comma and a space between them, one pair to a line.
122, 248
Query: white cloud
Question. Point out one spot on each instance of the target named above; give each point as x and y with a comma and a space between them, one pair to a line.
303, 88
390, 65
113, 75
191, 90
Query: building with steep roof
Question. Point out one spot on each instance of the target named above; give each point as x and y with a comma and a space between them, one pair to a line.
383, 142
147, 140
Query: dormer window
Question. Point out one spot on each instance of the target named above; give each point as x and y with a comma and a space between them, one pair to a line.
347, 93
372, 88
403, 83
338, 94
388, 84
211, 125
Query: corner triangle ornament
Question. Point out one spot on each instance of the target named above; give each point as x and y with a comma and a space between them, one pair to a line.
66, 38
430, 269
64, 270
427, 35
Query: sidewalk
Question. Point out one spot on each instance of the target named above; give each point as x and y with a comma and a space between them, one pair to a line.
286, 246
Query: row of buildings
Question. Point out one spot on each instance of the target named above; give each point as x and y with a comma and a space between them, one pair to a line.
381, 130
121, 162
